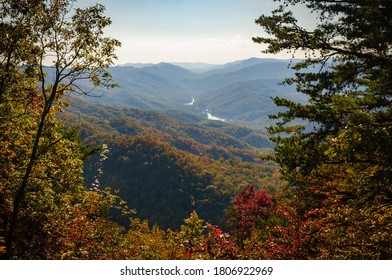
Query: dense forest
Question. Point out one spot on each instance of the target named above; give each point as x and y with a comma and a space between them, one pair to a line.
86, 181
165, 168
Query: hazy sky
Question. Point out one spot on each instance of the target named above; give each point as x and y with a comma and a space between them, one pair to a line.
213, 31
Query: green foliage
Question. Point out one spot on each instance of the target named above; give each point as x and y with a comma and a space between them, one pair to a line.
341, 162
37, 154
200, 240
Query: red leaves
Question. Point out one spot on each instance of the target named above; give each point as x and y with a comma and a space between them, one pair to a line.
251, 202
250, 208
219, 245
186, 254
298, 236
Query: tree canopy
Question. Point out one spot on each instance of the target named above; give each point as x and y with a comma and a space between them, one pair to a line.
37, 154
339, 157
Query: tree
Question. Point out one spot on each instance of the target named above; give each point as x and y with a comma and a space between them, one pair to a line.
37, 33
198, 241
340, 160
294, 235
251, 208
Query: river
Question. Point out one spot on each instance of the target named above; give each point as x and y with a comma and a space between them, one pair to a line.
207, 112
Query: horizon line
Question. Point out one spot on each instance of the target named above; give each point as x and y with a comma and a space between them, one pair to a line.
202, 62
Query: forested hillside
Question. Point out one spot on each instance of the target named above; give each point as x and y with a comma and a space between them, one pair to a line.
165, 169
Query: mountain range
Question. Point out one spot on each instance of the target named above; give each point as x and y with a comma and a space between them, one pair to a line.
237, 92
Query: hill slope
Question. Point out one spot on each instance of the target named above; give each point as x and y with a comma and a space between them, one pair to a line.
164, 168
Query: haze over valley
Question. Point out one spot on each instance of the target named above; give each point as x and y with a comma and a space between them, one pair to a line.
239, 92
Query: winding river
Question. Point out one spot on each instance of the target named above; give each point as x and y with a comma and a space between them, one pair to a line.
206, 112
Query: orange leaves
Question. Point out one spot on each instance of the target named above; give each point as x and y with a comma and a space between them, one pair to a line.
9, 154
82, 230
2, 242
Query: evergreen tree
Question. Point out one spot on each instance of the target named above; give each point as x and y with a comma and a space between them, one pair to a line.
341, 158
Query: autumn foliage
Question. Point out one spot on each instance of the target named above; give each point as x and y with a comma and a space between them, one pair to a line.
251, 208
334, 201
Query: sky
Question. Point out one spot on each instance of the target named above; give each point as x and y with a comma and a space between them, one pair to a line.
210, 31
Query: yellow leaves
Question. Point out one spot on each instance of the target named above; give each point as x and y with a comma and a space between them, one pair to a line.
77, 67
95, 79
91, 58
361, 233
38, 160
2, 248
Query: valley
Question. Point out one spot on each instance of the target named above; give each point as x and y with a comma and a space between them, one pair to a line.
165, 168
181, 140
238, 92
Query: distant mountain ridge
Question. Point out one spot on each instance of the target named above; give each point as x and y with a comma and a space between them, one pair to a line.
247, 85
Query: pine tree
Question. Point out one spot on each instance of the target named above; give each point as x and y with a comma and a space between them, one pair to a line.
339, 157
